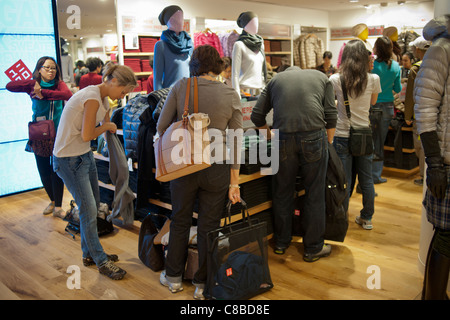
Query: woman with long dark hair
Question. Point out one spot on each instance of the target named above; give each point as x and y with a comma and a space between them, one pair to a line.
362, 89
390, 78
46, 90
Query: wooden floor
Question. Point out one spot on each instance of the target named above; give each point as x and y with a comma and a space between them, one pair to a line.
35, 253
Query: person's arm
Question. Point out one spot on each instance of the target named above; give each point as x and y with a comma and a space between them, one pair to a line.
26, 86
262, 108
89, 131
234, 193
236, 67
429, 89
398, 81
62, 92
330, 111
158, 66
409, 96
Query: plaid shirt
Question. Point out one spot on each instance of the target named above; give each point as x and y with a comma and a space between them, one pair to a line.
438, 210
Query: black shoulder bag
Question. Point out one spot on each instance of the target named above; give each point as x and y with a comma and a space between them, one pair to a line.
360, 139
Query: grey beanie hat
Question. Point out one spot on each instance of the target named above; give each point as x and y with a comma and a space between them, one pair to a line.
168, 12
245, 18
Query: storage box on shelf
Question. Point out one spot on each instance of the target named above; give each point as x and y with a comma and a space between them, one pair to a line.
278, 50
403, 164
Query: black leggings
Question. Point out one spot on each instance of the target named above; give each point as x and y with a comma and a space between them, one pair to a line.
53, 184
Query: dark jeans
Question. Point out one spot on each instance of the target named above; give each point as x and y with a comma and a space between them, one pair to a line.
210, 186
361, 166
305, 153
52, 183
387, 109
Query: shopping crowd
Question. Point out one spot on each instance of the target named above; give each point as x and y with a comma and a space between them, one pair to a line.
313, 110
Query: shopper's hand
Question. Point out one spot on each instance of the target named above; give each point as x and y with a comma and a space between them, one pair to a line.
234, 194
111, 127
37, 91
436, 177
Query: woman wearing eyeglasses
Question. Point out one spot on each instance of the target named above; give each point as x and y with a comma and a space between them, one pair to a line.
46, 89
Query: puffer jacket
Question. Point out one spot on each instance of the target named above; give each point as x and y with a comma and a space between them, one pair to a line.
131, 122
432, 86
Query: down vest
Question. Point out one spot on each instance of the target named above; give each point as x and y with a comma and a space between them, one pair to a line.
432, 86
131, 113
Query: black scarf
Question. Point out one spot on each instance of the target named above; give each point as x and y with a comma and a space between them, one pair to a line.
254, 43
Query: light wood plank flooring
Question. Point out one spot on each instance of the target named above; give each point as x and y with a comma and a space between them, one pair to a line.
35, 253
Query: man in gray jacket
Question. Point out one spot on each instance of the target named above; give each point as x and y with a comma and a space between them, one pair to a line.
432, 111
305, 114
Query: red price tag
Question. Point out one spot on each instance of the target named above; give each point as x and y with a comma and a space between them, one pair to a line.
18, 71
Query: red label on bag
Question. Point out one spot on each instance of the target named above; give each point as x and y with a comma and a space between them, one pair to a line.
297, 212
229, 272
18, 71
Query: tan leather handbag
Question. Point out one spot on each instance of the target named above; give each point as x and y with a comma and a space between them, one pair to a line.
184, 147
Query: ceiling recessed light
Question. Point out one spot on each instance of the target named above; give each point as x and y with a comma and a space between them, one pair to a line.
401, 2
353, 0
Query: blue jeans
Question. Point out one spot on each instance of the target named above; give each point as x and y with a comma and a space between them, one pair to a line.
79, 174
387, 109
304, 153
362, 167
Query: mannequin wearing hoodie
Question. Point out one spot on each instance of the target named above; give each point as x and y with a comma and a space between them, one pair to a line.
173, 52
248, 70
432, 113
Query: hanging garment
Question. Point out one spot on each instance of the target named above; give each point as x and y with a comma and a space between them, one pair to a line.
122, 206
208, 37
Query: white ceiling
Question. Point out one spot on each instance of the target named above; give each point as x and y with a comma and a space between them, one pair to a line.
98, 16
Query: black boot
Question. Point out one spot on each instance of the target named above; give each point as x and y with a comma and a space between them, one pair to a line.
436, 276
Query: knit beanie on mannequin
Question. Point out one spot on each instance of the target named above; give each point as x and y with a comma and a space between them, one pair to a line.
168, 12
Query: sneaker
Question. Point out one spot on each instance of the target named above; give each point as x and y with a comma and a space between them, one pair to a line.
59, 213
366, 224
49, 209
311, 257
112, 271
279, 250
198, 293
89, 261
418, 182
174, 287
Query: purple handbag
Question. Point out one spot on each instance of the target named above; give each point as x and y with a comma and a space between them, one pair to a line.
42, 135
41, 130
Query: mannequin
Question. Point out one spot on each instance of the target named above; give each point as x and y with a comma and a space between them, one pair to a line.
66, 64
248, 70
392, 33
361, 32
173, 52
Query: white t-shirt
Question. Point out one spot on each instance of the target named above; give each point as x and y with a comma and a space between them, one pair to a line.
359, 107
247, 68
68, 138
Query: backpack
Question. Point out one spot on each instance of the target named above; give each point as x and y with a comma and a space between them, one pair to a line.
335, 194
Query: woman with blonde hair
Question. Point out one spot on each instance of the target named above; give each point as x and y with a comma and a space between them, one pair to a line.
74, 161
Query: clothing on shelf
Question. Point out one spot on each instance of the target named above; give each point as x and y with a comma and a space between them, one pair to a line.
308, 51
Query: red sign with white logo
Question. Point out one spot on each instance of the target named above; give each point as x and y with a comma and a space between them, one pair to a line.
18, 71
229, 272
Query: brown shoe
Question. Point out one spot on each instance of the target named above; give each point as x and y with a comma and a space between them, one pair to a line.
49, 209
